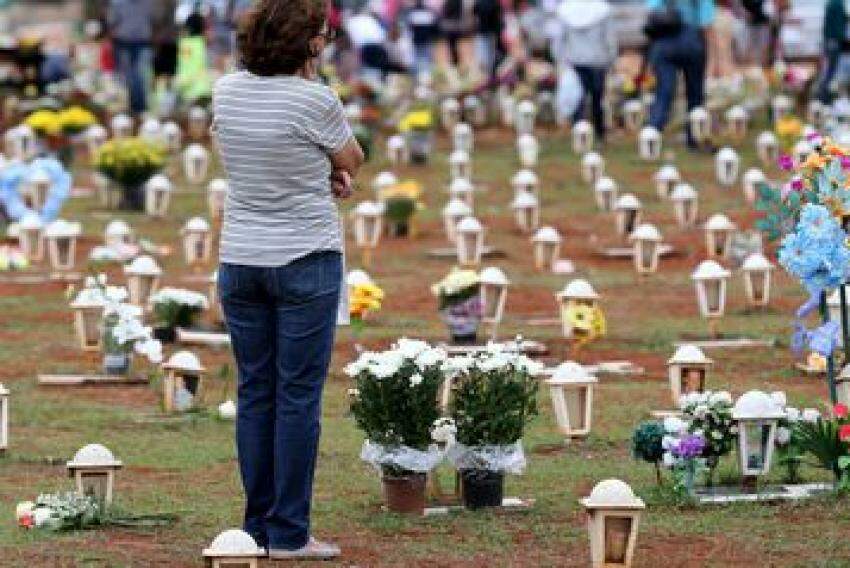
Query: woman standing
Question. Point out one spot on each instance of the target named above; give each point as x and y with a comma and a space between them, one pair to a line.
288, 151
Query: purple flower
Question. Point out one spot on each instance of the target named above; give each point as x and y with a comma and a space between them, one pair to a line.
786, 162
690, 446
845, 162
797, 183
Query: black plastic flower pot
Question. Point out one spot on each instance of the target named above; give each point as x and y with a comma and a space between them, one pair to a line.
482, 488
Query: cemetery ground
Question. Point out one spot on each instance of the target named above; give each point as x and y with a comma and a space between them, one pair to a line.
186, 464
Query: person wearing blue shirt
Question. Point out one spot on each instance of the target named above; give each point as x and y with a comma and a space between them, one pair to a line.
685, 51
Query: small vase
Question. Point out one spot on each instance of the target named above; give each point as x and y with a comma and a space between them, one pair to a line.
463, 320
482, 488
420, 147
116, 364
165, 334
405, 493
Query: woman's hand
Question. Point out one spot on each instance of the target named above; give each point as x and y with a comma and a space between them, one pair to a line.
341, 184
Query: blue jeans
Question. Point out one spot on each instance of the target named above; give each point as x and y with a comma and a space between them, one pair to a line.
133, 62
593, 84
282, 322
685, 52
831, 57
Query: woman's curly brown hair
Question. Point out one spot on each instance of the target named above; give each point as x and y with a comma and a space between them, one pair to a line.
274, 37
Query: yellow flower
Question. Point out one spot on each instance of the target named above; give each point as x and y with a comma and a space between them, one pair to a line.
789, 127
45, 122
416, 120
75, 119
365, 298
814, 161
408, 189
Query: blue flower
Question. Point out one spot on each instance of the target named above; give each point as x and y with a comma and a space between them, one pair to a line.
816, 253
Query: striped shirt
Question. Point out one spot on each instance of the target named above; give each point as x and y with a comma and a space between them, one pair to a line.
275, 135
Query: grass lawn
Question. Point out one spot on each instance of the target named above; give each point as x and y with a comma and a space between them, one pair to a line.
187, 465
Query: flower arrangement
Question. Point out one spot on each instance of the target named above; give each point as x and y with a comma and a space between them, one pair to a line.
647, 444
457, 287
587, 321
401, 201
493, 398
364, 298
75, 120
59, 512
394, 403
417, 120
175, 307
44, 122
827, 439
709, 415
129, 161
459, 302
789, 452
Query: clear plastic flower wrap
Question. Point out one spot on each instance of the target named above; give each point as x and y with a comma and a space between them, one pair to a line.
507, 458
403, 457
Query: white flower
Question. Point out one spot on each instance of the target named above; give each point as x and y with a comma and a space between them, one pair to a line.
180, 297
810, 415
792, 414
716, 435
430, 358
353, 393
227, 410
674, 425
23, 509
669, 460
700, 410
783, 435
90, 282
101, 279
416, 380
443, 431
669, 442
150, 348
779, 399
719, 397
41, 516
410, 348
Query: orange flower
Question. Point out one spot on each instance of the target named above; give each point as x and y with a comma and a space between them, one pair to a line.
814, 161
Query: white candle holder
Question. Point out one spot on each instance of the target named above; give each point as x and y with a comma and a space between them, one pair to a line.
93, 469
605, 191
750, 183
217, 197
453, 213
711, 279
526, 181
646, 243
699, 121
21, 143
196, 163
449, 113
782, 106
181, 386
526, 208
767, 148
382, 182
469, 243
31, 237
234, 548
507, 108
158, 195
526, 114
198, 122
460, 165
197, 242
397, 150
576, 292
494, 286
726, 166
666, 179
613, 516
172, 135
88, 315
547, 248
143, 276
37, 188
122, 126
757, 271
474, 111
151, 130
801, 151
592, 167
633, 115
462, 137
627, 214
685, 204
649, 144
757, 416
718, 235
368, 224
117, 234
571, 390
61, 238
687, 371
583, 137
817, 113
95, 137
528, 149
461, 188
212, 298
737, 120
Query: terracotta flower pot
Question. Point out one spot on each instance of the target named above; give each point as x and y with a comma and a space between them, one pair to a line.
405, 494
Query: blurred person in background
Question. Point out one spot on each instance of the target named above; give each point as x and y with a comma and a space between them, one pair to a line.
130, 25
457, 24
193, 81
678, 46
165, 33
369, 37
424, 30
587, 43
489, 26
721, 38
835, 44
757, 34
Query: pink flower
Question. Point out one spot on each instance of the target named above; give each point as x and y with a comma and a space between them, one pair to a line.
797, 183
844, 433
845, 162
839, 410
786, 162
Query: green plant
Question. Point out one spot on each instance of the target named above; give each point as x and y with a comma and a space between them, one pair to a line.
493, 399
174, 307
820, 439
400, 209
647, 445
130, 161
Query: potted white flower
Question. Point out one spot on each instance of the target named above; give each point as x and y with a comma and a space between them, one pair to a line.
173, 308
394, 403
493, 397
124, 333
